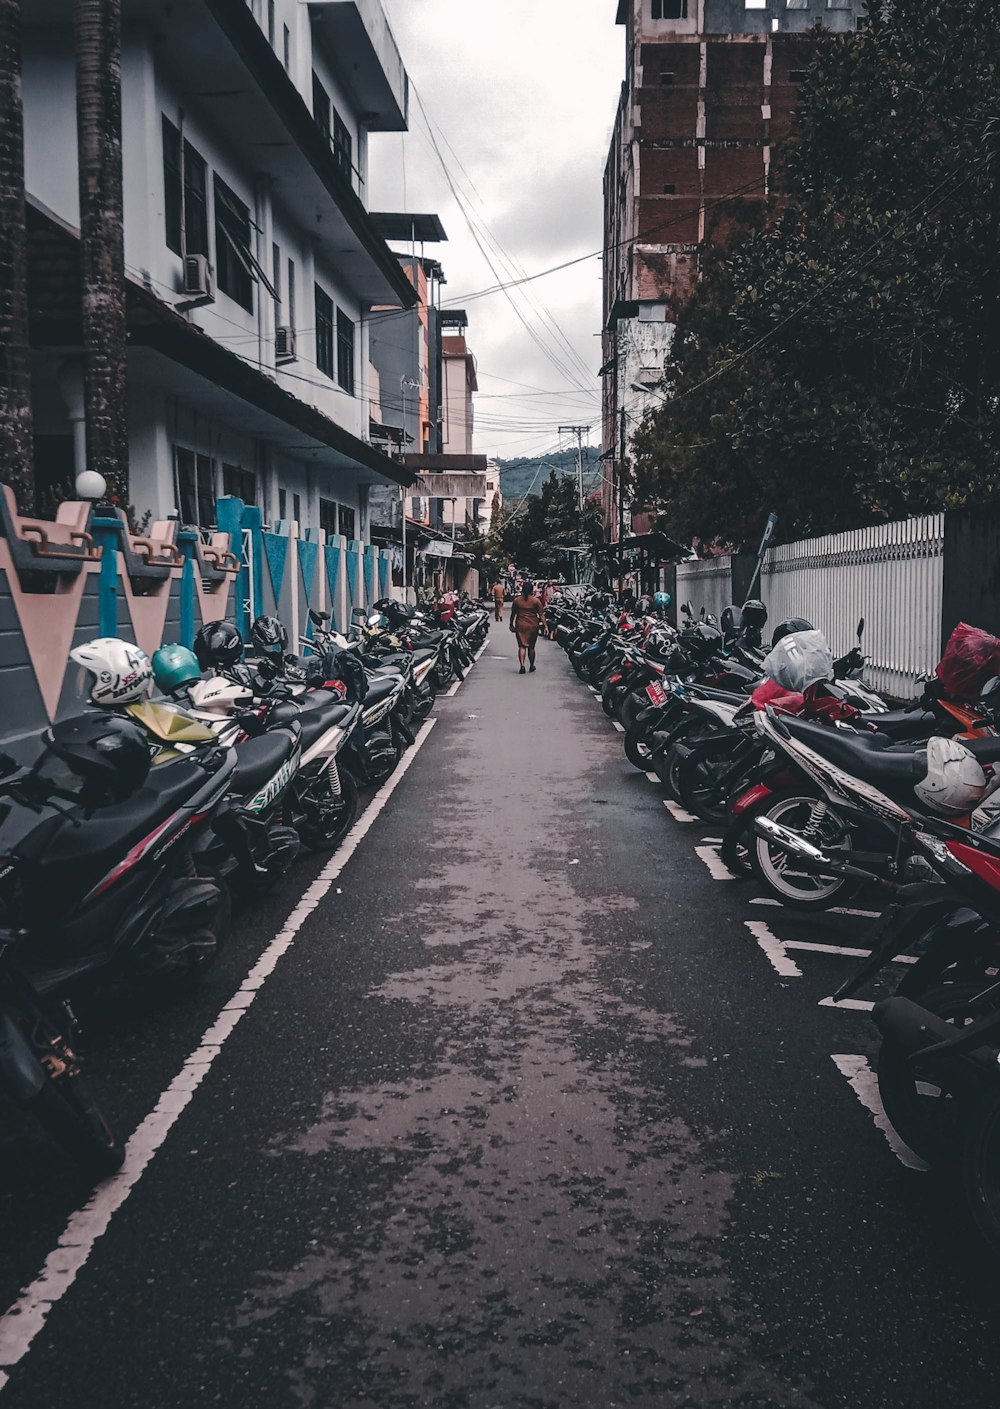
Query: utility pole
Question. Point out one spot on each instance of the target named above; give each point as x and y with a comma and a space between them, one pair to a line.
579, 432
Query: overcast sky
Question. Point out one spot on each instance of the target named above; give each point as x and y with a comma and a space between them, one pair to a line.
524, 93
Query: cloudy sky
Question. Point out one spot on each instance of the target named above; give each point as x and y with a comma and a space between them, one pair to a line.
521, 97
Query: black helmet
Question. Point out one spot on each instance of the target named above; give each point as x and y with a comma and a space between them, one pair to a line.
217, 645
785, 628
105, 757
398, 614
754, 614
732, 623
269, 636
702, 640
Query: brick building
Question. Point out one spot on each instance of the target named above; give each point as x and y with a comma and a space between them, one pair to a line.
708, 99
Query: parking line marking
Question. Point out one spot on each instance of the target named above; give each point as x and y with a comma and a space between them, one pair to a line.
773, 948
857, 1005
717, 868
847, 950
676, 812
833, 909
864, 1084
22, 1322
653, 777
619, 727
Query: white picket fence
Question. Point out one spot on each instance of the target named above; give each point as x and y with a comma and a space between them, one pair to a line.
892, 575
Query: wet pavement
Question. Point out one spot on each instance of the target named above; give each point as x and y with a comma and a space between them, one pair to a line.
524, 1117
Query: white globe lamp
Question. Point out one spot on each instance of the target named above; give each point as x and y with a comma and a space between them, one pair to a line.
91, 485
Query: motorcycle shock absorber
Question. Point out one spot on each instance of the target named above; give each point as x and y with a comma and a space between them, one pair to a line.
333, 773
817, 816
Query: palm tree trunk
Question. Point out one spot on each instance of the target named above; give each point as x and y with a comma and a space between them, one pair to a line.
16, 447
98, 28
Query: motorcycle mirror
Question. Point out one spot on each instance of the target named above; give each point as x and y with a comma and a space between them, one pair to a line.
686, 608
861, 628
318, 618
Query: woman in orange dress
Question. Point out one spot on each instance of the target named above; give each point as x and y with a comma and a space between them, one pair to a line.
527, 614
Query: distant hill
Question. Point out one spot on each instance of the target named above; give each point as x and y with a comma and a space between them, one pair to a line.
523, 476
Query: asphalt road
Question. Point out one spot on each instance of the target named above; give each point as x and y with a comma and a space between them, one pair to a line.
519, 1111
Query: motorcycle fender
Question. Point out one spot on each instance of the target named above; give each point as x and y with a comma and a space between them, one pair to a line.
189, 903
22, 1075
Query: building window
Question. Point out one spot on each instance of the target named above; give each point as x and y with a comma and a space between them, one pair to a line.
861, 22
297, 508
270, 22
797, 75
755, 4
670, 9
239, 483
193, 187
276, 281
321, 108
343, 145
291, 295
328, 516
234, 264
670, 189
324, 332
345, 351
194, 477
282, 503
797, 4
286, 47
345, 518
666, 80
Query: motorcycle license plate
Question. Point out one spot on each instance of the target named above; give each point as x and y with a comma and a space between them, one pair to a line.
657, 694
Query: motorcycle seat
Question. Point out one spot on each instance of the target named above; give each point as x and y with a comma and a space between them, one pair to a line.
259, 759
313, 720
380, 688
865, 756
902, 723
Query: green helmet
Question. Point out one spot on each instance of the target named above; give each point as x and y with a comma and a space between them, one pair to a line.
661, 600
175, 666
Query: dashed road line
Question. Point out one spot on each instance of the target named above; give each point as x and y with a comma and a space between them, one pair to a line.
717, 868
831, 910
864, 1083
654, 777
620, 727
857, 1005
678, 813
773, 948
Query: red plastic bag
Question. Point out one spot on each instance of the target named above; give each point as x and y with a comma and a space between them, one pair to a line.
769, 692
971, 657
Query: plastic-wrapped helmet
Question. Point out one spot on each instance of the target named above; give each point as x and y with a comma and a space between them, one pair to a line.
121, 673
106, 756
732, 623
218, 645
785, 628
954, 782
799, 660
174, 667
269, 636
661, 601
755, 615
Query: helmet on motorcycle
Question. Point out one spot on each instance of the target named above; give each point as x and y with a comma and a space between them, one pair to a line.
661, 601
397, 614
755, 614
732, 622
785, 628
702, 640
174, 667
121, 672
219, 696
217, 645
106, 756
269, 636
954, 782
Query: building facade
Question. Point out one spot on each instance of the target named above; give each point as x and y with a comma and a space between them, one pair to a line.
708, 99
253, 264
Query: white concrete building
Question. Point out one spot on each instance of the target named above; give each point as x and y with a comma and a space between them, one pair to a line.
252, 260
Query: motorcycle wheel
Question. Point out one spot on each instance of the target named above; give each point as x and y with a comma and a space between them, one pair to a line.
386, 767
609, 701
929, 1118
632, 705
338, 821
69, 1115
670, 774
775, 869
698, 774
443, 674
980, 1171
637, 751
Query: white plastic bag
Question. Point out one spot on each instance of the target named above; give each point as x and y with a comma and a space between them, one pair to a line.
799, 660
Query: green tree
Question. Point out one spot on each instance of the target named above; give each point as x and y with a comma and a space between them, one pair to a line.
843, 366
542, 531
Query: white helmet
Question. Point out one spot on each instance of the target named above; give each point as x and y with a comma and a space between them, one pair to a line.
218, 696
121, 672
799, 660
954, 783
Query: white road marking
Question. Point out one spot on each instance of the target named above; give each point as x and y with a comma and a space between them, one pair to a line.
864, 1084
22, 1322
677, 813
847, 950
774, 949
619, 727
653, 777
832, 910
712, 841
717, 868
857, 1005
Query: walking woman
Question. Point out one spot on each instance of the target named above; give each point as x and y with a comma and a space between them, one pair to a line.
526, 615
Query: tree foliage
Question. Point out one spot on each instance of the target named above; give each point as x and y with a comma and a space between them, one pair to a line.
843, 366
539, 532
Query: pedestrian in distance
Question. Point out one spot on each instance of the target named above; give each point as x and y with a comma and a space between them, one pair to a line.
527, 614
499, 597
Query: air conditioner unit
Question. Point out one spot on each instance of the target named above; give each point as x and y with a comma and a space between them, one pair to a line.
284, 345
198, 281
